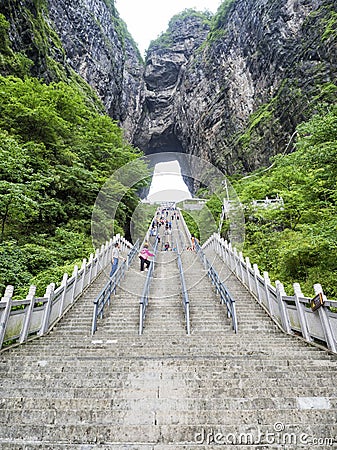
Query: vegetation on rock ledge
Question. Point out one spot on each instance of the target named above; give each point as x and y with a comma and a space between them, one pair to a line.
165, 40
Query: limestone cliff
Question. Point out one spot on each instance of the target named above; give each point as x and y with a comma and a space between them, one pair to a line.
236, 99
166, 63
85, 36
230, 88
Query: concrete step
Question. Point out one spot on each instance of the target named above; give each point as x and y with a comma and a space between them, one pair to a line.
165, 390
154, 434
121, 417
158, 404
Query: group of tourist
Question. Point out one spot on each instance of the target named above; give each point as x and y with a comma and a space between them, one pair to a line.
164, 217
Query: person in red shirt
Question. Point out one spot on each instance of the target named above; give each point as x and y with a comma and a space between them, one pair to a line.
144, 257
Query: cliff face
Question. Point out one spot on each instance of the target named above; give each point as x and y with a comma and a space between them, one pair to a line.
91, 37
88, 37
164, 73
231, 89
237, 100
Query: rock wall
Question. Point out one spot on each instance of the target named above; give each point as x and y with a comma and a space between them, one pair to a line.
231, 90
88, 37
166, 63
95, 48
238, 97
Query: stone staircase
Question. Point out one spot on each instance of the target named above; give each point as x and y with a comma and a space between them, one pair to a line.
164, 390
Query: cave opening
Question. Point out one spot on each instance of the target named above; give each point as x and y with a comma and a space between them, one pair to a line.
165, 151
164, 143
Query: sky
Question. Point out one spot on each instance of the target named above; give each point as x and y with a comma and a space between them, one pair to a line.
147, 19
167, 184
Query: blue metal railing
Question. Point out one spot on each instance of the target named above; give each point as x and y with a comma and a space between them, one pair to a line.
186, 303
132, 253
225, 296
144, 300
103, 299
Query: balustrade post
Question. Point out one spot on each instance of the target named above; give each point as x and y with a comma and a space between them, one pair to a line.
221, 250
217, 240
28, 314
49, 295
282, 308
226, 254
96, 263
232, 262
83, 269
322, 311
248, 266
217, 244
107, 254
242, 262
7, 298
301, 312
266, 284
91, 263
111, 246
236, 261
64, 293
75, 276
256, 275
213, 243
104, 255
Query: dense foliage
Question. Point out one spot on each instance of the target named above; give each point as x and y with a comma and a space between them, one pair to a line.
56, 151
297, 242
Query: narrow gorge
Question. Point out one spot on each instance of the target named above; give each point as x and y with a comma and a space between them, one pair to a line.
251, 89
230, 88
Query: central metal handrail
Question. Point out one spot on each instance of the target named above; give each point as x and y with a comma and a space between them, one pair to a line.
186, 302
144, 300
225, 296
104, 296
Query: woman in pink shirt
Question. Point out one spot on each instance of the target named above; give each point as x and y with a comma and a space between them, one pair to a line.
144, 257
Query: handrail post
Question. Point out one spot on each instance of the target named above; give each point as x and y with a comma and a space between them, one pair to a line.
96, 259
248, 266
256, 274
329, 337
282, 309
48, 305
266, 284
234, 317
242, 262
301, 313
94, 318
141, 316
28, 315
63, 297
75, 275
236, 262
7, 298
188, 326
91, 262
83, 268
